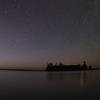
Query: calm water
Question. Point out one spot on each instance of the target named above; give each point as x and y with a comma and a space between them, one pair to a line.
20, 85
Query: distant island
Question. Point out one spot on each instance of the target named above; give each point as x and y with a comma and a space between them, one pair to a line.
63, 67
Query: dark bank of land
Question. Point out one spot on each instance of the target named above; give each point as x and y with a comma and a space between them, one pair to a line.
48, 70
59, 67
45, 70
63, 67
21, 70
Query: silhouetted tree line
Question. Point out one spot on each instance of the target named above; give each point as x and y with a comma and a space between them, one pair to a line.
62, 67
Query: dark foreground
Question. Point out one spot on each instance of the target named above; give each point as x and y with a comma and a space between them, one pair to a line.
41, 85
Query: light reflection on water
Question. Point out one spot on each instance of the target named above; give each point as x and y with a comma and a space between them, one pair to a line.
73, 78
17, 85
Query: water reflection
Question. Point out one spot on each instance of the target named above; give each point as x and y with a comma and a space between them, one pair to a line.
55, 75
79, 78
70, 85
83, 79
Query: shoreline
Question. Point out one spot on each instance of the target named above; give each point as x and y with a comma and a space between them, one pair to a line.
46, 70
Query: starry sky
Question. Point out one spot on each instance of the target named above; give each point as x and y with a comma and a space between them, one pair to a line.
35, 32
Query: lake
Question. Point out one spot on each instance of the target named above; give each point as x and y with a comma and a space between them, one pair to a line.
41, 85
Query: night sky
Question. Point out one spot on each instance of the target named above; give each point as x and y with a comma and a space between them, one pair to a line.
35, 32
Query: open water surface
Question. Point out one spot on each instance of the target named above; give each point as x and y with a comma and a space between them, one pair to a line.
34, 85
